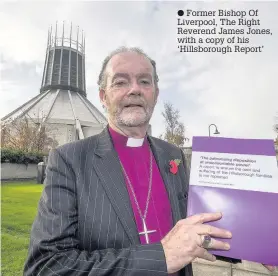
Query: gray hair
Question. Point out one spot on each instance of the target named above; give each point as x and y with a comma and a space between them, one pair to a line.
102, 76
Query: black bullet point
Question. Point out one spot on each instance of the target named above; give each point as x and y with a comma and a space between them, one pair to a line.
180, 12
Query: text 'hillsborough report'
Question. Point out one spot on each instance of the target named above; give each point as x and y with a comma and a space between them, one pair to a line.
221, 31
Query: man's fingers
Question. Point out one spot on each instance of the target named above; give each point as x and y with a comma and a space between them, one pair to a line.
215, 244
204, 254
202, 218
213, 231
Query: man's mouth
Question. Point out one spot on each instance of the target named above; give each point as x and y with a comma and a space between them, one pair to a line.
133, 105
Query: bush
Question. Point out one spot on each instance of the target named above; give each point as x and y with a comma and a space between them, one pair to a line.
20, 156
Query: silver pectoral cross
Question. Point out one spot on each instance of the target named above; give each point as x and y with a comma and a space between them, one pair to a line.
146, 231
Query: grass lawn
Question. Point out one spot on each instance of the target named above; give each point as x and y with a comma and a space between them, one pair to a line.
19, 207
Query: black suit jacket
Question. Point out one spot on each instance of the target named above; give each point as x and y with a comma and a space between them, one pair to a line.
85, 223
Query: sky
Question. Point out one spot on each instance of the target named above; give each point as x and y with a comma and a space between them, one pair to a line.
236, 91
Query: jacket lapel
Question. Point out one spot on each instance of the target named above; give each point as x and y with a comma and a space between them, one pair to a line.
109, 170
163, 158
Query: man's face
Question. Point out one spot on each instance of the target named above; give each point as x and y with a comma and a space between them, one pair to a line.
130, 94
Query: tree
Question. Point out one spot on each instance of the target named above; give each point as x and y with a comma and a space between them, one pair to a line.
175, 130
26, 134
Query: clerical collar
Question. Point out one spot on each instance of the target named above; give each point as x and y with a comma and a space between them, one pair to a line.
126, 141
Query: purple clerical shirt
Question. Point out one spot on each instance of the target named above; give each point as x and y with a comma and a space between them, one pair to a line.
136, 162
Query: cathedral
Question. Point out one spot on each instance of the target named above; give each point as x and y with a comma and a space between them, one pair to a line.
61, 105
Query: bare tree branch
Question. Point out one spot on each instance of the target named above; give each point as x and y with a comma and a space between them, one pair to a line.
175, 130
26, 135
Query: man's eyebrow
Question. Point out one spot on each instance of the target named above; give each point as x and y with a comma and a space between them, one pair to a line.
126, 76
120, 75
144, 75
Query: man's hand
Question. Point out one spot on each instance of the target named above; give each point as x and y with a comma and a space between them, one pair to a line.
184, 242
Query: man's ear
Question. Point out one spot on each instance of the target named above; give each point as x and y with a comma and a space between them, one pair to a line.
102, 97
156, 94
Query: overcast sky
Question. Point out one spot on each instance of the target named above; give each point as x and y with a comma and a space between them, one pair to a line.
237, 92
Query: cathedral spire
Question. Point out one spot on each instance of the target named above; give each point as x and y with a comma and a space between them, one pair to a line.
64, 66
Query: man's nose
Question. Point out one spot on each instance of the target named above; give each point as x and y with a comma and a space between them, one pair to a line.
135, 89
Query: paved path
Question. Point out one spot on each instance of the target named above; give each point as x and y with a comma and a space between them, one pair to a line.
219, 268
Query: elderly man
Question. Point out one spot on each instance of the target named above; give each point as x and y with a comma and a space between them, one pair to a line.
111, 205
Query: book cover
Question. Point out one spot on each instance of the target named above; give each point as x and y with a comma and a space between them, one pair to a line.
238, 177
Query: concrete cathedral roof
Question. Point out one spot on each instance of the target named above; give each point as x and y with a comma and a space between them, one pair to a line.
60, 106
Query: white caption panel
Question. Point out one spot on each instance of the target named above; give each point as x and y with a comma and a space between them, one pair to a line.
234, 171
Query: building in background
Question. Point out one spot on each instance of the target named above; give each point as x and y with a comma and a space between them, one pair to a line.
61, 105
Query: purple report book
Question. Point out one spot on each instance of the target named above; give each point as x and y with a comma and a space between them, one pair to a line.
238, 177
